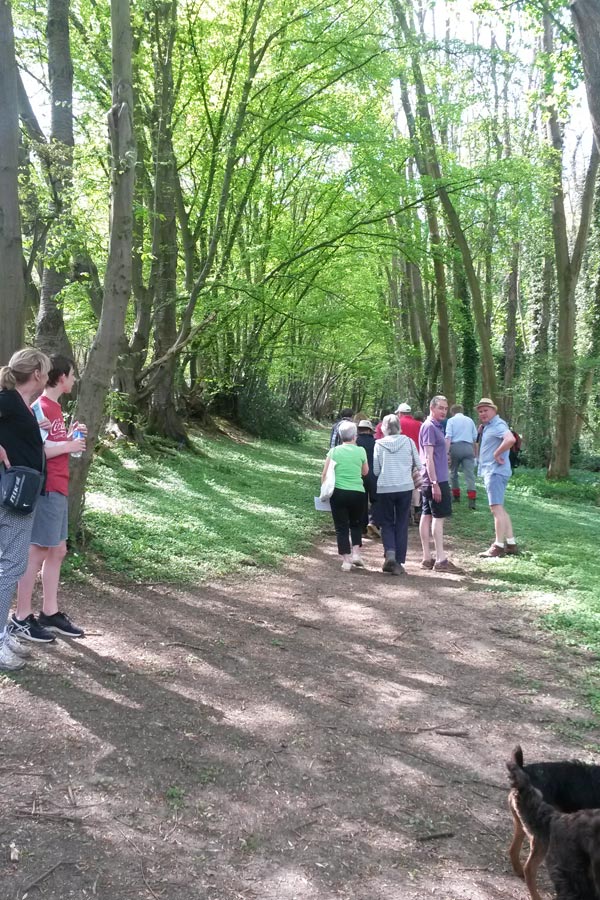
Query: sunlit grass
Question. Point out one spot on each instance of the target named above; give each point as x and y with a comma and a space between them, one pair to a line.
186, 517
558, 528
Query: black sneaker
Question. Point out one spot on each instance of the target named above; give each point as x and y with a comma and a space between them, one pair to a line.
29, 629
61, 623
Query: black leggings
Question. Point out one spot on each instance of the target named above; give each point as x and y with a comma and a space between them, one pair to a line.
347, 509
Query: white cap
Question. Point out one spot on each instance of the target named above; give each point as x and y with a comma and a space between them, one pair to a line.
403, 408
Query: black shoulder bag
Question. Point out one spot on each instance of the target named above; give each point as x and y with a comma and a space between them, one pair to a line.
20, 488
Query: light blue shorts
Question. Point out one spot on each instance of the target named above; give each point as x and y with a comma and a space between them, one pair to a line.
495, 486
50, 520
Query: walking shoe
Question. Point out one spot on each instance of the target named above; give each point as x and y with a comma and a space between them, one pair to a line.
346, 566
427, 563
493, 552
61, 623
29, 630
389, 563
373, 530
357, 561
399, 569
16, 646
446, 566
512, 549
9, 661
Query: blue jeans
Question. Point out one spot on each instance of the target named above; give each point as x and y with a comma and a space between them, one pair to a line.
393, 511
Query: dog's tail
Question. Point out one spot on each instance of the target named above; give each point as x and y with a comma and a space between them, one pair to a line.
535, 813
517, 756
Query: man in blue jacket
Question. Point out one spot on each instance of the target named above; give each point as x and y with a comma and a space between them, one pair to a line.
494, 467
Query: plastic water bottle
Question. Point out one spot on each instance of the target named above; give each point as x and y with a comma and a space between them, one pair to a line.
39, 414
75, 436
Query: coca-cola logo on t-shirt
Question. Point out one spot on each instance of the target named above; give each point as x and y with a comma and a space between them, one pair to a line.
58, 432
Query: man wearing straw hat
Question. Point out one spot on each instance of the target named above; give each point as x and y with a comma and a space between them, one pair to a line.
494, 467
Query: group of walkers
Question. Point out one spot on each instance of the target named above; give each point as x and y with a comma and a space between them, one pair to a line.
34, 539
401, 470
381, 482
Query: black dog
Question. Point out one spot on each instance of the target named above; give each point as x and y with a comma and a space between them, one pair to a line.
569, 840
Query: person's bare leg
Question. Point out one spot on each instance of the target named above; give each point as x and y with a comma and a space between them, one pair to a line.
425, 535
437, 529
27, 581
502, 524
51, 577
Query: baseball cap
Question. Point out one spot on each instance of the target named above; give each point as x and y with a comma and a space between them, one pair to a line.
403, 408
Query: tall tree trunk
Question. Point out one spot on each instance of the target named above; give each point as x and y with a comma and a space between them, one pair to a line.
50, 333
416, 369
537, 435
12, 281
423, 322
468, 341
437, 252
163, 418
568, 267
441, 304
117, 283
587, 380
133, 356
510, 335
590, 364
586, 17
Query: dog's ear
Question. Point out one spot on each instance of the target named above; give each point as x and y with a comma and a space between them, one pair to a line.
517, 777
517, 756
510, 765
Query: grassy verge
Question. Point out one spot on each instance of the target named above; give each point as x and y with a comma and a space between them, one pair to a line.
558, 527
188, 516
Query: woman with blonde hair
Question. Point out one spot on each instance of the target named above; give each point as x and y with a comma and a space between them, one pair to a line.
21, 382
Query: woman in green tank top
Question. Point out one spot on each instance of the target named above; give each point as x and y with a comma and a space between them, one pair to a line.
348, 496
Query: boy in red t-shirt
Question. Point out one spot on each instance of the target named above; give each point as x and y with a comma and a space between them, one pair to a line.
49, 536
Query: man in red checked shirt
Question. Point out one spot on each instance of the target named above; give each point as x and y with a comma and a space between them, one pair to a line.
50, 525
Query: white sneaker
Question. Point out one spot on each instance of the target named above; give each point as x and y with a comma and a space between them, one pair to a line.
357, 561
346, 566
16, 646
9, 661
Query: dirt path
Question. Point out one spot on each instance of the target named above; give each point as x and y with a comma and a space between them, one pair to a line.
304, 734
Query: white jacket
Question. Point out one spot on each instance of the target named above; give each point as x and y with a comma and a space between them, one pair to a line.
394, 458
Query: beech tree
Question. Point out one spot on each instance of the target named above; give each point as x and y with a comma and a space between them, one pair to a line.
586, 17
101, 363
568, 267
12, 284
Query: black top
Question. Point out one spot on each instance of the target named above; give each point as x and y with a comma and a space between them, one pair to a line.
19, 432
368, 442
